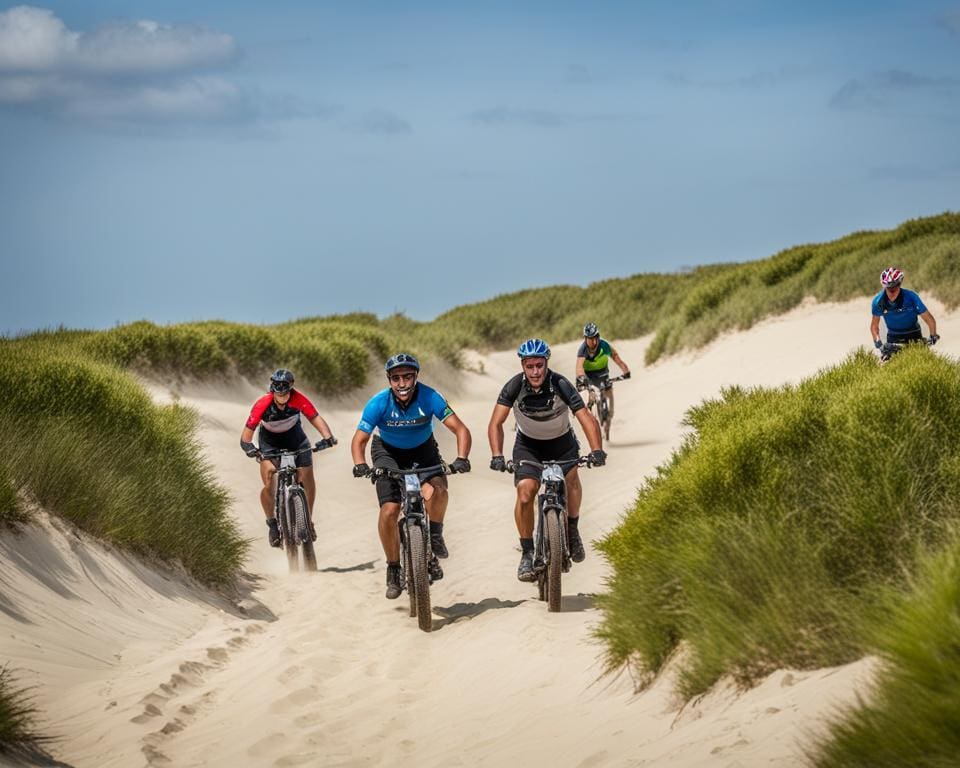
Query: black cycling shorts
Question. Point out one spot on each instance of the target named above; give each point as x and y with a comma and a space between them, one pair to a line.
598, 378
291, 440
563, 448
386, 456
902, 337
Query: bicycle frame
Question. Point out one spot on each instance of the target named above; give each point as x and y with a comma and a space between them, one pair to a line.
551, 499
412, 508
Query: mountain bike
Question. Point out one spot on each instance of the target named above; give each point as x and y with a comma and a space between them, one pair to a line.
416, 556
551, 556
890, 348
597, 403
291, 510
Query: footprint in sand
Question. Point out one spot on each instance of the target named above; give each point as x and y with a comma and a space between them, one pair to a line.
266, 746
289, 674
298, 698
311, 718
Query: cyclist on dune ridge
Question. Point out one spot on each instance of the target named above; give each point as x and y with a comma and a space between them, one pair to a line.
403, 415
900, 310
542, 400
277, 414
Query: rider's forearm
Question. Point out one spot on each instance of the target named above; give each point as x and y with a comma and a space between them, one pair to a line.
321, 426
358, 447
622, 365
875, 329
580, 371
590, 428
931, 322
495, 436
464, 443
247, 435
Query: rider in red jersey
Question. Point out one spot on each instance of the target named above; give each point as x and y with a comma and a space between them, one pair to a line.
278, 414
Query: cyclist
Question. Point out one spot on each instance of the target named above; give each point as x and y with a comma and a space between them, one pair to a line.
593, 359
900, 310
278, 414
542, 400
403, 415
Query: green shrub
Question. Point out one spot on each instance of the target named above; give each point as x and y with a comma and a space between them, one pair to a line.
772, 528
101, 454
913, 716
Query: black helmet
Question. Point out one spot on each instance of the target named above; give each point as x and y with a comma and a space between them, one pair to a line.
590, 331
281, 380
401, 360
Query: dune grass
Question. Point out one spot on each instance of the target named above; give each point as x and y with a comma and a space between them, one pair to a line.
18, 719
768, 537
84, 439
690, 309
913, 717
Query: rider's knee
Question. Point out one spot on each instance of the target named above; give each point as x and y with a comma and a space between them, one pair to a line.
390, 511
526, 491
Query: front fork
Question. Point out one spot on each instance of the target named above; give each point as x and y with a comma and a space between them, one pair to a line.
542, 552
413, 509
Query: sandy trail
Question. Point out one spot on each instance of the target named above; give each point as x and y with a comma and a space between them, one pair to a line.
135, 668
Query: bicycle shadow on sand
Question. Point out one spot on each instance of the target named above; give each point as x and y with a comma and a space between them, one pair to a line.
350, 568
466, 611
576, 603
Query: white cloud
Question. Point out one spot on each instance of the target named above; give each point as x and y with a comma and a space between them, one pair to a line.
33, 39
146, 47
125, 71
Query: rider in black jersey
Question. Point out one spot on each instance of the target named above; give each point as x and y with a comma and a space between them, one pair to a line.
542, 400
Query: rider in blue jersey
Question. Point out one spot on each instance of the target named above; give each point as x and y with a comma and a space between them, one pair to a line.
403, 415
900, 310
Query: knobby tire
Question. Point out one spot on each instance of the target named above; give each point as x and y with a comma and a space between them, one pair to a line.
289, 535
301, 516
421, 579
408, 569
555, 561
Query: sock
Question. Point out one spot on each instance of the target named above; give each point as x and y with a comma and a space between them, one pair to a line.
573, 522
271, 522
436, 528
393, 565
526, 545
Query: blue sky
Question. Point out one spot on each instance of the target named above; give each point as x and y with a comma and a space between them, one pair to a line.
261, 161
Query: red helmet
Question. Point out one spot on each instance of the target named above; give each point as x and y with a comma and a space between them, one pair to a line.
891, 277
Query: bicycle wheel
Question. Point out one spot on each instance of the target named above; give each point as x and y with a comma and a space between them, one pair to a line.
420, 578
554, 559
301, 516
407, 569
288, 535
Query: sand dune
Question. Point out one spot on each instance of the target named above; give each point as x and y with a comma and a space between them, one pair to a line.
134, 667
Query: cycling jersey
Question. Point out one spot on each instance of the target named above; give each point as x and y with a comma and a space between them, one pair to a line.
272, 418
404, 426
900, 315
597, 361
543, 414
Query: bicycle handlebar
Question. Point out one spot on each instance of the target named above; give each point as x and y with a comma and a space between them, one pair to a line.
580, 461
398, 474
605, 384
279, 452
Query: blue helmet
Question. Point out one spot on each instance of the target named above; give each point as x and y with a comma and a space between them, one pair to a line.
534, 348
401, 360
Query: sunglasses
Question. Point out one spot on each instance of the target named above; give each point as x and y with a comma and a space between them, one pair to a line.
395, 377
